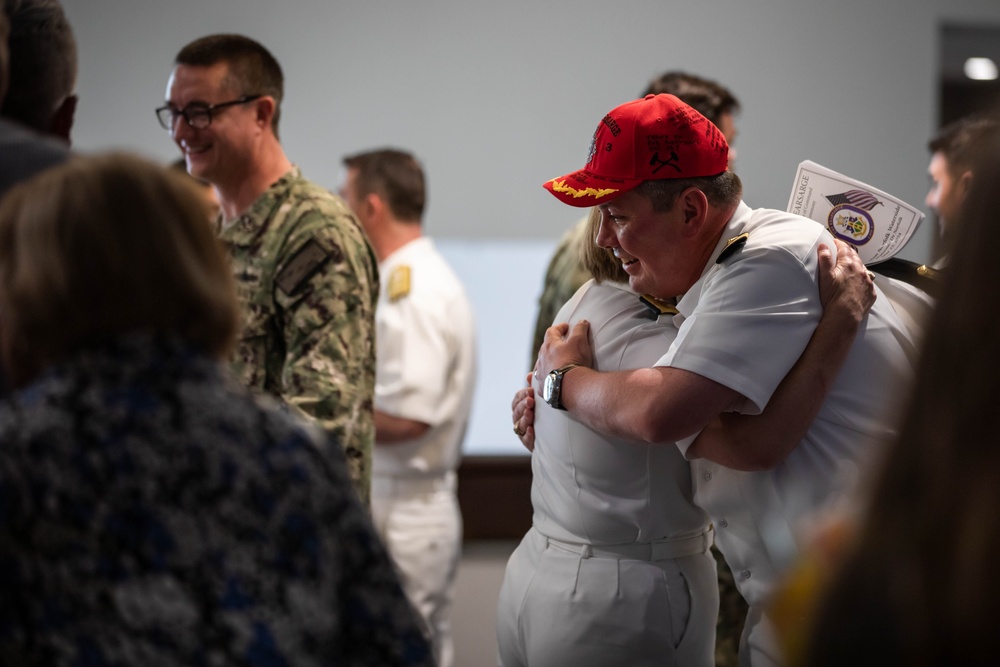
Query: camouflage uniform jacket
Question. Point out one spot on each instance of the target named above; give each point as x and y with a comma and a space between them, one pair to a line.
308, 280
563, 278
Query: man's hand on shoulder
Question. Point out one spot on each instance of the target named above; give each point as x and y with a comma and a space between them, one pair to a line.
564, 346
846, 287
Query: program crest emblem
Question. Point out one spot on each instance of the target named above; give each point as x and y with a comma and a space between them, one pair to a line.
850, 223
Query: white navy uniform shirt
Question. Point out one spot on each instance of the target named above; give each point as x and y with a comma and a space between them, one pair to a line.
744, 324
425, 356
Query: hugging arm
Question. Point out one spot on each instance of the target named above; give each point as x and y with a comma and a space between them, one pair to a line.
760, 442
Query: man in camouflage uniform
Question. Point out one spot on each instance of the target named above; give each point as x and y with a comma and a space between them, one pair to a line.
566, 274
305, 271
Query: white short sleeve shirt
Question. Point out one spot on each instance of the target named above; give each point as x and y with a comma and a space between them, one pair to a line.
597, 489
744, 324
425, 359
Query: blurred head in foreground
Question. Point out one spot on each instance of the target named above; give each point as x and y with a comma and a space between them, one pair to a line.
919, 586
103, 246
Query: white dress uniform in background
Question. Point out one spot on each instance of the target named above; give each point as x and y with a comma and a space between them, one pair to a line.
425, 356
616, 568
744, 325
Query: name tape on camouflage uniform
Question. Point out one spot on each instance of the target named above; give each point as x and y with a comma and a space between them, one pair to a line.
305, 263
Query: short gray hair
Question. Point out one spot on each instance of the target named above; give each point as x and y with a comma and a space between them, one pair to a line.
43, 63
722, 190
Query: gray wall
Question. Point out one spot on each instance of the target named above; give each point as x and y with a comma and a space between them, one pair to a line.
498, 97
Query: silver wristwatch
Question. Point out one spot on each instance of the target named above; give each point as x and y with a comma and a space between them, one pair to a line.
552, 390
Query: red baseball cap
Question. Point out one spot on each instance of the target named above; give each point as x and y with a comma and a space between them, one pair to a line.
654, 138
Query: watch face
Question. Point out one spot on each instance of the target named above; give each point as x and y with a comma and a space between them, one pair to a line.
548, 387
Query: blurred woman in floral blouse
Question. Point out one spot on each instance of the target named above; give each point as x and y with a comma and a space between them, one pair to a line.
151, 511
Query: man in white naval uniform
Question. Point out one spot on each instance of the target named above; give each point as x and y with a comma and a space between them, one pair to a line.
615, 569
746, 283
425, 374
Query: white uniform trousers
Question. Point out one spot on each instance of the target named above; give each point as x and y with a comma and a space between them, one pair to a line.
566, 604
420, 524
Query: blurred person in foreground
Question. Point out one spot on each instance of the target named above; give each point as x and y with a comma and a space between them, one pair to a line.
153, 512
615, 569
917, 582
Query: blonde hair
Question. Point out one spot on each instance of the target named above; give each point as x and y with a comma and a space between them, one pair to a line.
600, 262
106, 245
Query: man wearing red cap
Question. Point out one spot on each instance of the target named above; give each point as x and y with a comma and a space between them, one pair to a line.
747, 301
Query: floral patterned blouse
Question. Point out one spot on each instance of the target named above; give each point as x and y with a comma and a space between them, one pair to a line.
152, 513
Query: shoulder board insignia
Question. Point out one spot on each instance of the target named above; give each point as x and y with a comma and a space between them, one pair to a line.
733, 246
919, 275
657, 307
928, 272
399, 282
299, 268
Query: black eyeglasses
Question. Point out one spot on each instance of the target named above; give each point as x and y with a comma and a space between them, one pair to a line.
198, 116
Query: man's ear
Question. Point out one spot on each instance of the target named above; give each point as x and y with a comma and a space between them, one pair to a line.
694, 206
374, 206
265, 111
62, 121
963, 184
